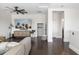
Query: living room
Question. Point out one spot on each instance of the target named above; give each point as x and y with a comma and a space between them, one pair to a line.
8, 18
42, 22
11, 19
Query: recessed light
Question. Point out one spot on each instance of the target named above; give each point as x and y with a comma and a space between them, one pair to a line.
61, 6
43, 6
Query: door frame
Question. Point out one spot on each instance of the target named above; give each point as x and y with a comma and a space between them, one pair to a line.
63, 22
50, 17
40, 28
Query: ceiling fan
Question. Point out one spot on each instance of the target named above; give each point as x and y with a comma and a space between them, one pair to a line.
17, 10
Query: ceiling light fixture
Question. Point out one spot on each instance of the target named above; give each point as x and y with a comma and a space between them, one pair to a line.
61, 6
43, 6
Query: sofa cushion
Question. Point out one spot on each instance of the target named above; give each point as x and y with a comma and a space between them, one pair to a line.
5, 46
12, 44
2, 39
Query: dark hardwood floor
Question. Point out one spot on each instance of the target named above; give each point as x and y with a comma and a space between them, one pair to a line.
13, 39
41, 47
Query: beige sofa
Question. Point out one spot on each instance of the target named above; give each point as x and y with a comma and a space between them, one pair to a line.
2, 39
22, 49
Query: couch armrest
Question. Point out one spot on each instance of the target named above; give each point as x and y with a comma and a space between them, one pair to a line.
27, 44
17, 50
22, 49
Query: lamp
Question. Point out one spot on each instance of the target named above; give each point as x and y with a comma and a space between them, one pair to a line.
10, 27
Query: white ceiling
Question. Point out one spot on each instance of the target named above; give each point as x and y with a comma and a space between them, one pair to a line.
37, 7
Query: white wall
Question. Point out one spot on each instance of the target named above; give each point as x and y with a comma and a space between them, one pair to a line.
74, 27
36, 18
5, 20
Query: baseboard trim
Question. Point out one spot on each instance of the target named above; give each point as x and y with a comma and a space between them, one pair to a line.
74, 49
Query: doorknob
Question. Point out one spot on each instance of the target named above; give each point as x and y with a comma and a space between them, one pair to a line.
72, 33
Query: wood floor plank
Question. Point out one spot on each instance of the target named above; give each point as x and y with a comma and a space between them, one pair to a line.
41, 47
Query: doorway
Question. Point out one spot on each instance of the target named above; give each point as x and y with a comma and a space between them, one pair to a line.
40, 29
58, 26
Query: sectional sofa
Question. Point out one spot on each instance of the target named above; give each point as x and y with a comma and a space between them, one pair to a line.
22, 49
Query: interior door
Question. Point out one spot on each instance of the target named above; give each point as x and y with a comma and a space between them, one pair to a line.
40, 29
58, 24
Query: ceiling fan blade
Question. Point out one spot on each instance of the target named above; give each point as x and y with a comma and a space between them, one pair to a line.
17, 12
25, 12
9, 8
22, 10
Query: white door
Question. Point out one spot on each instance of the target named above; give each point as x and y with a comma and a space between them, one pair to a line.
40, 29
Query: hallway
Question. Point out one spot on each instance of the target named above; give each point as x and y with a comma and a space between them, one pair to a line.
41, 47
